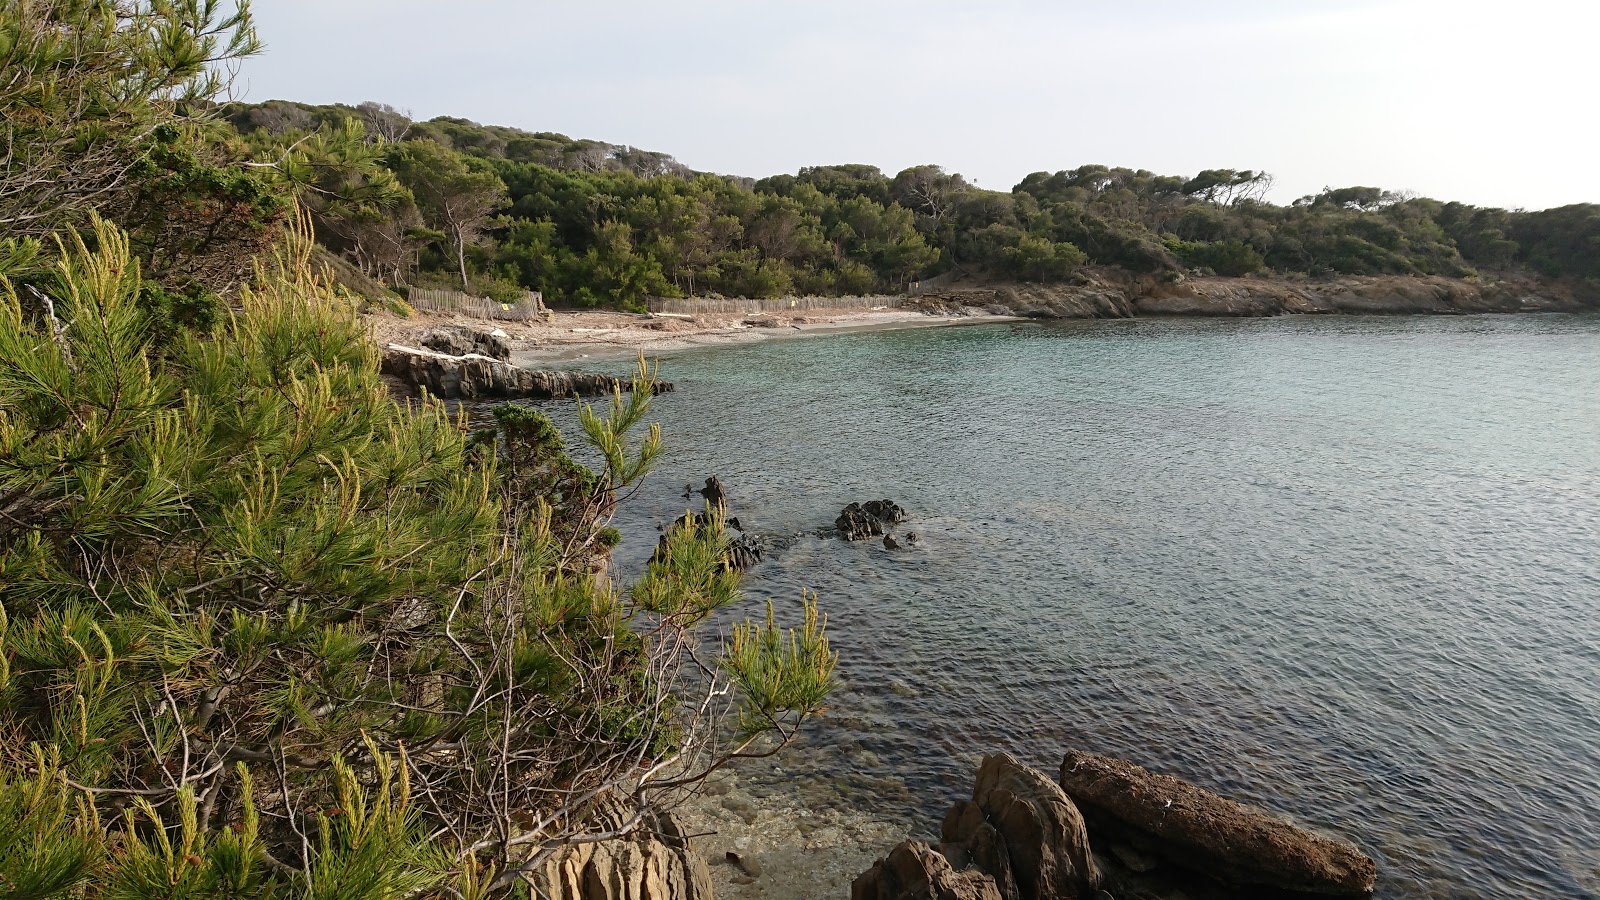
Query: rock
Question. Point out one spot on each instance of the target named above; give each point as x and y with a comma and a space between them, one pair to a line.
889, 543
1111, 293
913, 538
477, 377
967, 833
1132, 859
743, 551
1019, 836
855, 523
746, 865
464, 340
1042, 831
713, 492
915, 871
863, 520
887, 510
654, 863
1190, 827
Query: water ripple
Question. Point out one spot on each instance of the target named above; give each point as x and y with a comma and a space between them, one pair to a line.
1342, 568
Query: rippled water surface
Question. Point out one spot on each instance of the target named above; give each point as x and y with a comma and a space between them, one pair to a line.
1343, 568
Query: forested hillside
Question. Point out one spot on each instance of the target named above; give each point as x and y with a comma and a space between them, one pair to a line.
498, 210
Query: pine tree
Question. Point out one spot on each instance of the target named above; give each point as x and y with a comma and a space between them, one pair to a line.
267, 631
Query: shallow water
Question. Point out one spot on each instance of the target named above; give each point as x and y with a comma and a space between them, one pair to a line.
1342, 568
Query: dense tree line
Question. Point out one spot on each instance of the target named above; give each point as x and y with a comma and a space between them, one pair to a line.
591, 223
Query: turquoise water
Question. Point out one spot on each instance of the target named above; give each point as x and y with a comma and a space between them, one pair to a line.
1342, 568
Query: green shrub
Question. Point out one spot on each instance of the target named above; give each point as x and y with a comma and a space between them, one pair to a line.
313, 641
1222, 257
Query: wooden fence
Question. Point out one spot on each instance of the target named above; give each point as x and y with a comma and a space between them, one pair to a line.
937, 282
742, 306
531, 306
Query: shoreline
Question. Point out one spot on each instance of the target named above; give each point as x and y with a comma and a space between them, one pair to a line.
567, 336
624, 342
593, 336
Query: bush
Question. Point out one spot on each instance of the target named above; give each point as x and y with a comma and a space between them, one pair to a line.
1222, 257
1036, 259
311, 641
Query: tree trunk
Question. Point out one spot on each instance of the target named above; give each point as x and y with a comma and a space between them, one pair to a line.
461, 258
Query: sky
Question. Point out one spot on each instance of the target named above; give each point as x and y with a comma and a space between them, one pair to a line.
1490, 103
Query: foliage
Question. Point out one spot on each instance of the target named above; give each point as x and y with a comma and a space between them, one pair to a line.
88, 85
266, 631
1221, 257
595, 224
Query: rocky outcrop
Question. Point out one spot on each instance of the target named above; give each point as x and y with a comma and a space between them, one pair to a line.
475, 377
915, 871
1153, 837
1168, 818
1041, 830
654, 863
743, 551
1019, 835
1113, 294
464, 340
859, 521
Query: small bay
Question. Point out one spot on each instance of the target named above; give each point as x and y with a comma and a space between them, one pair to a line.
1343, 568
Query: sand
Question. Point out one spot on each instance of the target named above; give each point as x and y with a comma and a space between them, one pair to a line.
601, 335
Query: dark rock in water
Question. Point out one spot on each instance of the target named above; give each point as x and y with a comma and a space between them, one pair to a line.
915, 871
863, 520
889, 543
464, 340
743, 552
706, 519
1191, 827
855, 523
913, 538
887, 510
713, 492
475, 377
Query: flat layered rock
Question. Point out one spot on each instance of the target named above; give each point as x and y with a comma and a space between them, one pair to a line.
477, 377
1202, 832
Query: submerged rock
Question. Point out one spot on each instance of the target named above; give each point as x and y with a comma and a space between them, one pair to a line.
1197, 830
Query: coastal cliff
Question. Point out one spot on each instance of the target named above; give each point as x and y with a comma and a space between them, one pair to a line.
1113, 294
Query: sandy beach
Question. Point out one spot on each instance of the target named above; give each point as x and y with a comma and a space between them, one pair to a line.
587, 335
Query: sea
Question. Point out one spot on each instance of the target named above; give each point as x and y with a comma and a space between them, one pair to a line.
1346, 569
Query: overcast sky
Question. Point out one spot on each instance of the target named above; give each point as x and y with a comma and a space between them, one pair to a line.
1493, 103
